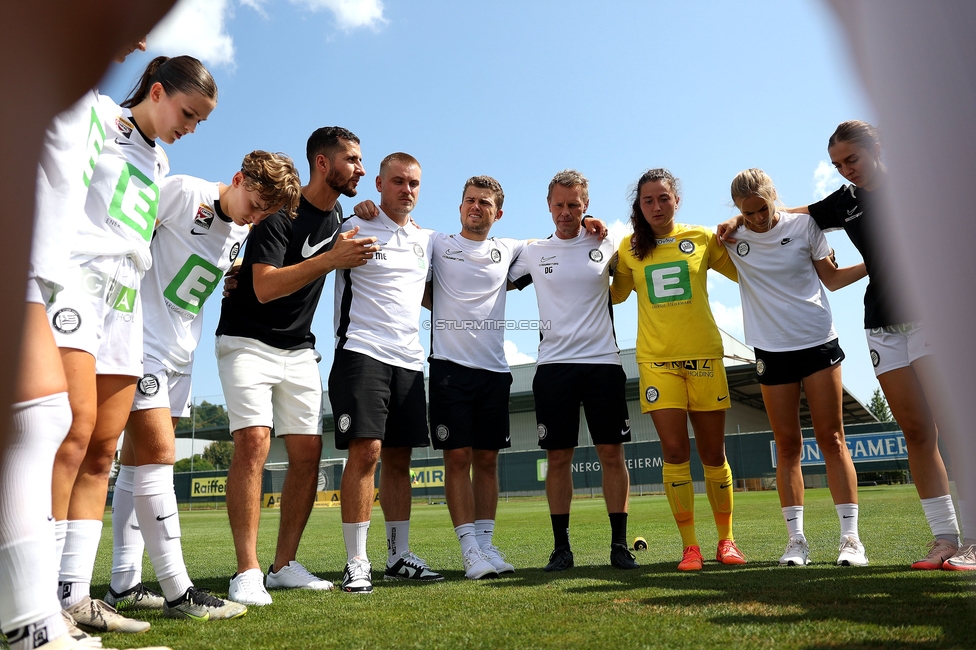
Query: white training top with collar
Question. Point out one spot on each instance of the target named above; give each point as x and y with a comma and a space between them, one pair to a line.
470, 281
784, 305
572, 286
377, 305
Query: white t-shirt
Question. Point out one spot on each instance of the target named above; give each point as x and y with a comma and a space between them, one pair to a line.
572, 287
72, 143
377, 305
193, 247
123, 192
784, 305
470, 280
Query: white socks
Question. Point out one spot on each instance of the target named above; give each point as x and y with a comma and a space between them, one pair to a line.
354, 536
484, 529
847, 514
467, 537
793, 515
397, 540
159, 519
941, 517
78, 560
28, 568
127, 546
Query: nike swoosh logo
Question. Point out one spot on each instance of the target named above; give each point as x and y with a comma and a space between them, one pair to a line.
625, 431
680, 484
193, 231
309, 250
722, 399
450, 252
792, 519
159, 518
122, 143
786, 241
508, 438
546, 259
725, 486
833, 361
848, 516
852, 210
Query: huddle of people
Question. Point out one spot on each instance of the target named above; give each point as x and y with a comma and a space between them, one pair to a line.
125, 257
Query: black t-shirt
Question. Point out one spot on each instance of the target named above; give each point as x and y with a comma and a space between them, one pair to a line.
286, 322
855, 210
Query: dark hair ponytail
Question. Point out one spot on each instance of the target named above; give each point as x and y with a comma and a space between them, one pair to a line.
179, 74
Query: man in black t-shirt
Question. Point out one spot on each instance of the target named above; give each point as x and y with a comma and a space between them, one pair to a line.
268, 364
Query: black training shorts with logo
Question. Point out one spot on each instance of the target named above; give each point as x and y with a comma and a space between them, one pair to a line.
775, 368
372, 399
468, 407
560, 389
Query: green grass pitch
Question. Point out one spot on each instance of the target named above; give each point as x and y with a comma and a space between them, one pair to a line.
759, 605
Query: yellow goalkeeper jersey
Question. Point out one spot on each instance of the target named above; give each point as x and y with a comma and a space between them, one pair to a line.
675, 322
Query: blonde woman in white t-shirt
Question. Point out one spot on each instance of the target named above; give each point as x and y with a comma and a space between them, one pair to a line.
783, 262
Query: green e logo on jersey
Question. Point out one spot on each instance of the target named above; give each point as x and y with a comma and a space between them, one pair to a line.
135, 201
96, 137
193, 284
668, 282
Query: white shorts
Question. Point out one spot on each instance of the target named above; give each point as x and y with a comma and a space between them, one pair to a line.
162, 388
265, 386
100, 311
897, 346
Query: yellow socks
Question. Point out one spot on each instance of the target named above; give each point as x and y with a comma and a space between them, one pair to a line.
718, 487
681, 498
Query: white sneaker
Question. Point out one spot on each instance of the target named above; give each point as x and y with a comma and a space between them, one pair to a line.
93, 615
247, 588
797, 552
294, 576
477, 565
497, 559
357, 578
851, 552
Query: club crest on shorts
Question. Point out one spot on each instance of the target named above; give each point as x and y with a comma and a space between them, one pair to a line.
543, 432
234, 250
760, 367
652, 394
66, 321
442, 432
344, 422
148, 385
418, 250
496, 255
875, 358
596, 255
686, 246
742, 248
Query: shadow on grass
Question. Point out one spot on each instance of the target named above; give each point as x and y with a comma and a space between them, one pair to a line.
764, 593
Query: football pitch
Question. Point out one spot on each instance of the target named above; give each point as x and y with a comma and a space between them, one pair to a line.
759, 605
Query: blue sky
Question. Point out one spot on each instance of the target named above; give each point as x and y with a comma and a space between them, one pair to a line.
519, 91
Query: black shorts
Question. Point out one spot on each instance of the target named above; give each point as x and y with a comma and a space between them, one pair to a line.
468, 407
774, 368
560, 389
371, 399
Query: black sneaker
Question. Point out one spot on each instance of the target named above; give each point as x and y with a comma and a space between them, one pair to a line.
410, 567
560, 560
621, 557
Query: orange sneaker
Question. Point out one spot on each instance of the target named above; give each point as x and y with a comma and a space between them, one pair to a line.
728, 553
691, 559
